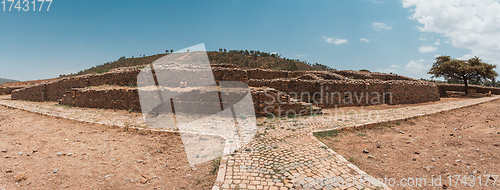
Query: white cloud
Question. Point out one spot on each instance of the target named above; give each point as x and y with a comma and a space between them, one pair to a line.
340, 41
334, 41
437, 43
364, 40
381, 26
417, 66
466, 57
395, 66
427, 49
472, 25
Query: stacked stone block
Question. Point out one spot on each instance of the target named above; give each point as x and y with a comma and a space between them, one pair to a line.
124, 99
443, 87
322, 88
7, 90
337, 93
266, 101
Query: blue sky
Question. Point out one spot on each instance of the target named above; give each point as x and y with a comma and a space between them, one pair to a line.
350, 34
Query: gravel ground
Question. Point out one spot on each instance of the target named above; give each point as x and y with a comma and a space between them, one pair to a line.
42, 152
463, 142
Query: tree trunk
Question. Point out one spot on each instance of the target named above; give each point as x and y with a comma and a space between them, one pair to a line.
466, 86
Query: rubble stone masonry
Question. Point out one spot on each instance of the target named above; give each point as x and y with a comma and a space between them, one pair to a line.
7, 90
331, 93
54, 90
266, 100
322, 88
443, 87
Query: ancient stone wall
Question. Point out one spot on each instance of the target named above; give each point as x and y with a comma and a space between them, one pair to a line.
323, 88
322, 74
7, 90
370, 75
230, 74
54, 90
127, 76
25, 83
266, 74
223, 65
124, 99
236, 74
32, 93
331, 93
122, 78
265, 101
410, 92
443, 87
269, 101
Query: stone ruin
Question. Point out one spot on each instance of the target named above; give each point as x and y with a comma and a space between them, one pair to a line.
274, 92
443, 87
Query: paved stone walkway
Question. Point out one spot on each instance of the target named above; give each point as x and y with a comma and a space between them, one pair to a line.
284, 154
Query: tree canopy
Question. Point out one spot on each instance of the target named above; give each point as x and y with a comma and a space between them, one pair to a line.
469, 70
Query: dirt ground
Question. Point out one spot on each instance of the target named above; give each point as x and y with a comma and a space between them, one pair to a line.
41, 152
464, 142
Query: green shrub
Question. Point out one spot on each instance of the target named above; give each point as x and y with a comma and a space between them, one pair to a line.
215, 166
323, 134
100, 71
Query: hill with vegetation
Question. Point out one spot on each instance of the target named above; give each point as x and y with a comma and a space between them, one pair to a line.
241, 58
2, 80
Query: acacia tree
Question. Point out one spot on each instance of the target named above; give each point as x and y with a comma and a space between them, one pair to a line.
465, 70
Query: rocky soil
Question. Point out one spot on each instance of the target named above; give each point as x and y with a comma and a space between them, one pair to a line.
41, 152
463, 142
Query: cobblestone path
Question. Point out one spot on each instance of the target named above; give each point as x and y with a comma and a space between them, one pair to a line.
284, 154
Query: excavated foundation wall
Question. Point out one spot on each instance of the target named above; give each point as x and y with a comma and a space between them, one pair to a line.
54, 90
332, 93
7, 90
370, 75
264, 101
323, 88
236, 74
443, 87
124, 99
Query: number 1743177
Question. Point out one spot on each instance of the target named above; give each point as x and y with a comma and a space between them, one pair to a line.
26, 5
471, 180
